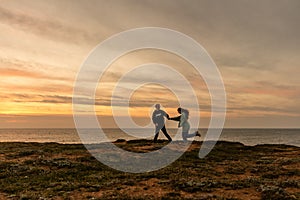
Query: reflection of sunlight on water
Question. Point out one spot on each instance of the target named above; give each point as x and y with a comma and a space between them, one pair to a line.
39, 135
245, 136
262, 136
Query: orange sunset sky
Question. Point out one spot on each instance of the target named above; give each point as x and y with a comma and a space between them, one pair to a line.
255, 44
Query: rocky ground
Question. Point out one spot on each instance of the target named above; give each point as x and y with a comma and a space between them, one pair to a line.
230, 171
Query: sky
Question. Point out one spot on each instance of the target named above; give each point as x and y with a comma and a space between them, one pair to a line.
255, 45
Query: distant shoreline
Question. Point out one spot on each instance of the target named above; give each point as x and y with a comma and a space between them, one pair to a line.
150, 141
268, 128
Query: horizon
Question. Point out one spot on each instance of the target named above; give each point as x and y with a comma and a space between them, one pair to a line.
203, 128
172, 128
255, 46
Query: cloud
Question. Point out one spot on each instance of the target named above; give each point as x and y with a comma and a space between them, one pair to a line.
44, 27
254, 43
34, 70
16, 72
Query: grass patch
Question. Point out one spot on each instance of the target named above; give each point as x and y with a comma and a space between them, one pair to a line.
56, 171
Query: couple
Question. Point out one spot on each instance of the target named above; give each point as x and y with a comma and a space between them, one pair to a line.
159, 121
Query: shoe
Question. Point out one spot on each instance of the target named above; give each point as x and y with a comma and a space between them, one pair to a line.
198, 134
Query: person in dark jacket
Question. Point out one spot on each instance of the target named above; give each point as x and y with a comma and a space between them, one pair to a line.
158, 119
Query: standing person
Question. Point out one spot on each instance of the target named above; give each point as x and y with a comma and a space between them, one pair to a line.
159, 121
183, 122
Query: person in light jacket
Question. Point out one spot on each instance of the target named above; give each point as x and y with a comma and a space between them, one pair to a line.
183, 122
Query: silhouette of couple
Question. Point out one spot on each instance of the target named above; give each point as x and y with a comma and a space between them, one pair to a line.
158, 118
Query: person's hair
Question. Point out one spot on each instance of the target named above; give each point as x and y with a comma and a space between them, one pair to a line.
157, 106
187, 113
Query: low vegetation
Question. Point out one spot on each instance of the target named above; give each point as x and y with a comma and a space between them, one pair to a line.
230, 171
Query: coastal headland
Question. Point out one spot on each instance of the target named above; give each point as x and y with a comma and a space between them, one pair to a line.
230, 171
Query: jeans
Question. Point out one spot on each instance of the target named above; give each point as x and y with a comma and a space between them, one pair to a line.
186, 135
163, 129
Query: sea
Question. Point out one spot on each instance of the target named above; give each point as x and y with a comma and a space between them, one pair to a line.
248, 137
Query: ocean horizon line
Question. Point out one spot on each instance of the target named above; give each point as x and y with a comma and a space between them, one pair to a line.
253, 128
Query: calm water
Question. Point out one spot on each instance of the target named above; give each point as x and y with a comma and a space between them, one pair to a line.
68, 136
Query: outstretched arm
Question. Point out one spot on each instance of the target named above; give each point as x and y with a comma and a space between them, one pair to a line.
175, 118
166, 115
